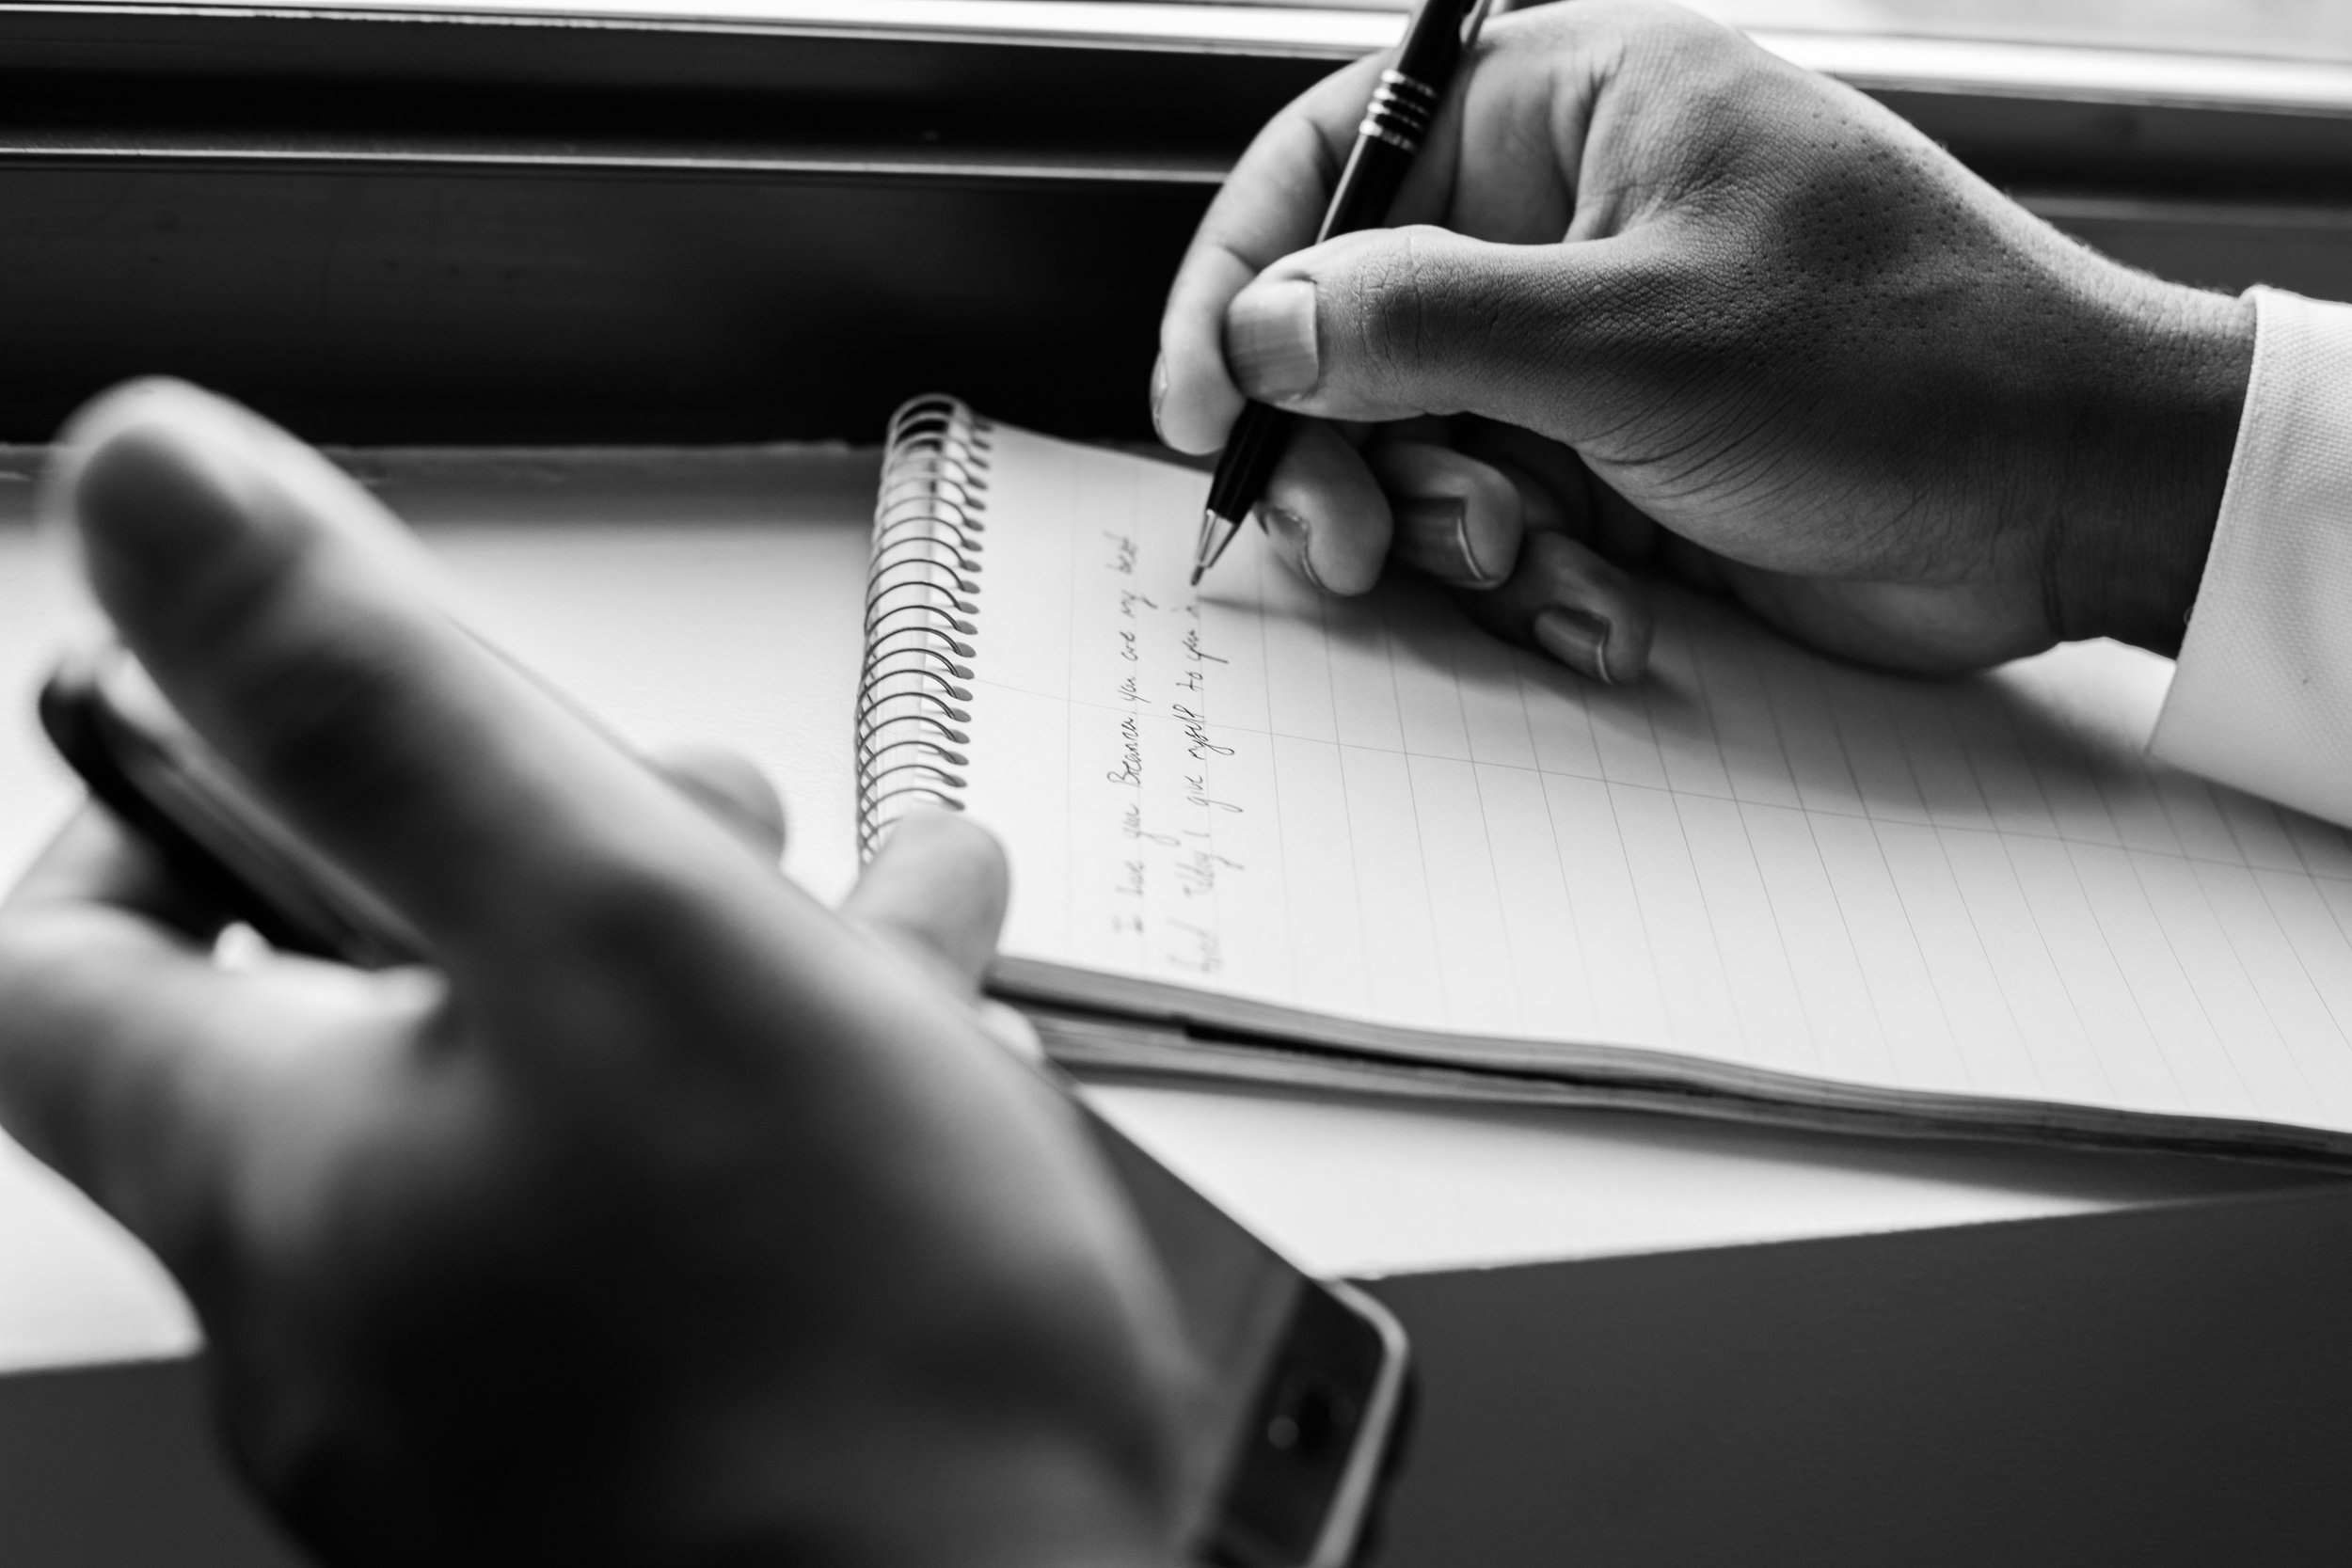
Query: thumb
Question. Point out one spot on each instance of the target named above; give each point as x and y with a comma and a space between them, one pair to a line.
1391, 323
937, 888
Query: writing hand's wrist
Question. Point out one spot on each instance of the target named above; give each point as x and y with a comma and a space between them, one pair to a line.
2145, 489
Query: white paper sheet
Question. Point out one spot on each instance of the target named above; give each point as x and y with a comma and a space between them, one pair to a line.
1370, 810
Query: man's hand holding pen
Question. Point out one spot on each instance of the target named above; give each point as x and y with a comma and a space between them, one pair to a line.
1655, 296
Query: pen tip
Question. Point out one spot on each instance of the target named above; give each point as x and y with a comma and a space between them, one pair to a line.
1196, 576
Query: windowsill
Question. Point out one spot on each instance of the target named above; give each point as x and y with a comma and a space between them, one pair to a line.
1884, 61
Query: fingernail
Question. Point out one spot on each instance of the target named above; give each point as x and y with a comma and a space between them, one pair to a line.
1577, 639
1448, 518
1289, 530
1270, 340
1159, 394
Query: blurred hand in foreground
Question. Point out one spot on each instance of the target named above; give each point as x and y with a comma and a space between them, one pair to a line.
1655, 292
667, 1217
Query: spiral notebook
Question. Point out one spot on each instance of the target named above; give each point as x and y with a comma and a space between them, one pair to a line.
1262, 834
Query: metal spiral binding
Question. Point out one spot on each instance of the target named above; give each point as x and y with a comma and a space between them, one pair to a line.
922, 604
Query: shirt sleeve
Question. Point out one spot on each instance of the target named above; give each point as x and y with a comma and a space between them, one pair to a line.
2262, 697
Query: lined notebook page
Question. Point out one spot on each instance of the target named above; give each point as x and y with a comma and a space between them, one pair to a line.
1370, 810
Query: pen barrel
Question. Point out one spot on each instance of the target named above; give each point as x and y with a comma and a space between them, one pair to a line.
1400, 112
1394, 123
1435, 38
1404, 105
1252, 450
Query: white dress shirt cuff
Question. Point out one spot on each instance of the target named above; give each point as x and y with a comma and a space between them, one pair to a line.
2261, 698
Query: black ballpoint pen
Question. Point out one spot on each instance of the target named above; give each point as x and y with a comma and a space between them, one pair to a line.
1402, 107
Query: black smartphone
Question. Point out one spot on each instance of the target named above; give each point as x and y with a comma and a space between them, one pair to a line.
1299, 1399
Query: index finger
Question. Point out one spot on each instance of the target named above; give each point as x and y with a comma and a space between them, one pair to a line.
1270, 205
291, 623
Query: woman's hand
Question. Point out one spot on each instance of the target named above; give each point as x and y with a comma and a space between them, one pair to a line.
1656, 293
667, 1217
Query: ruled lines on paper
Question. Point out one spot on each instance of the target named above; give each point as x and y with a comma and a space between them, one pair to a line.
1370, 809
